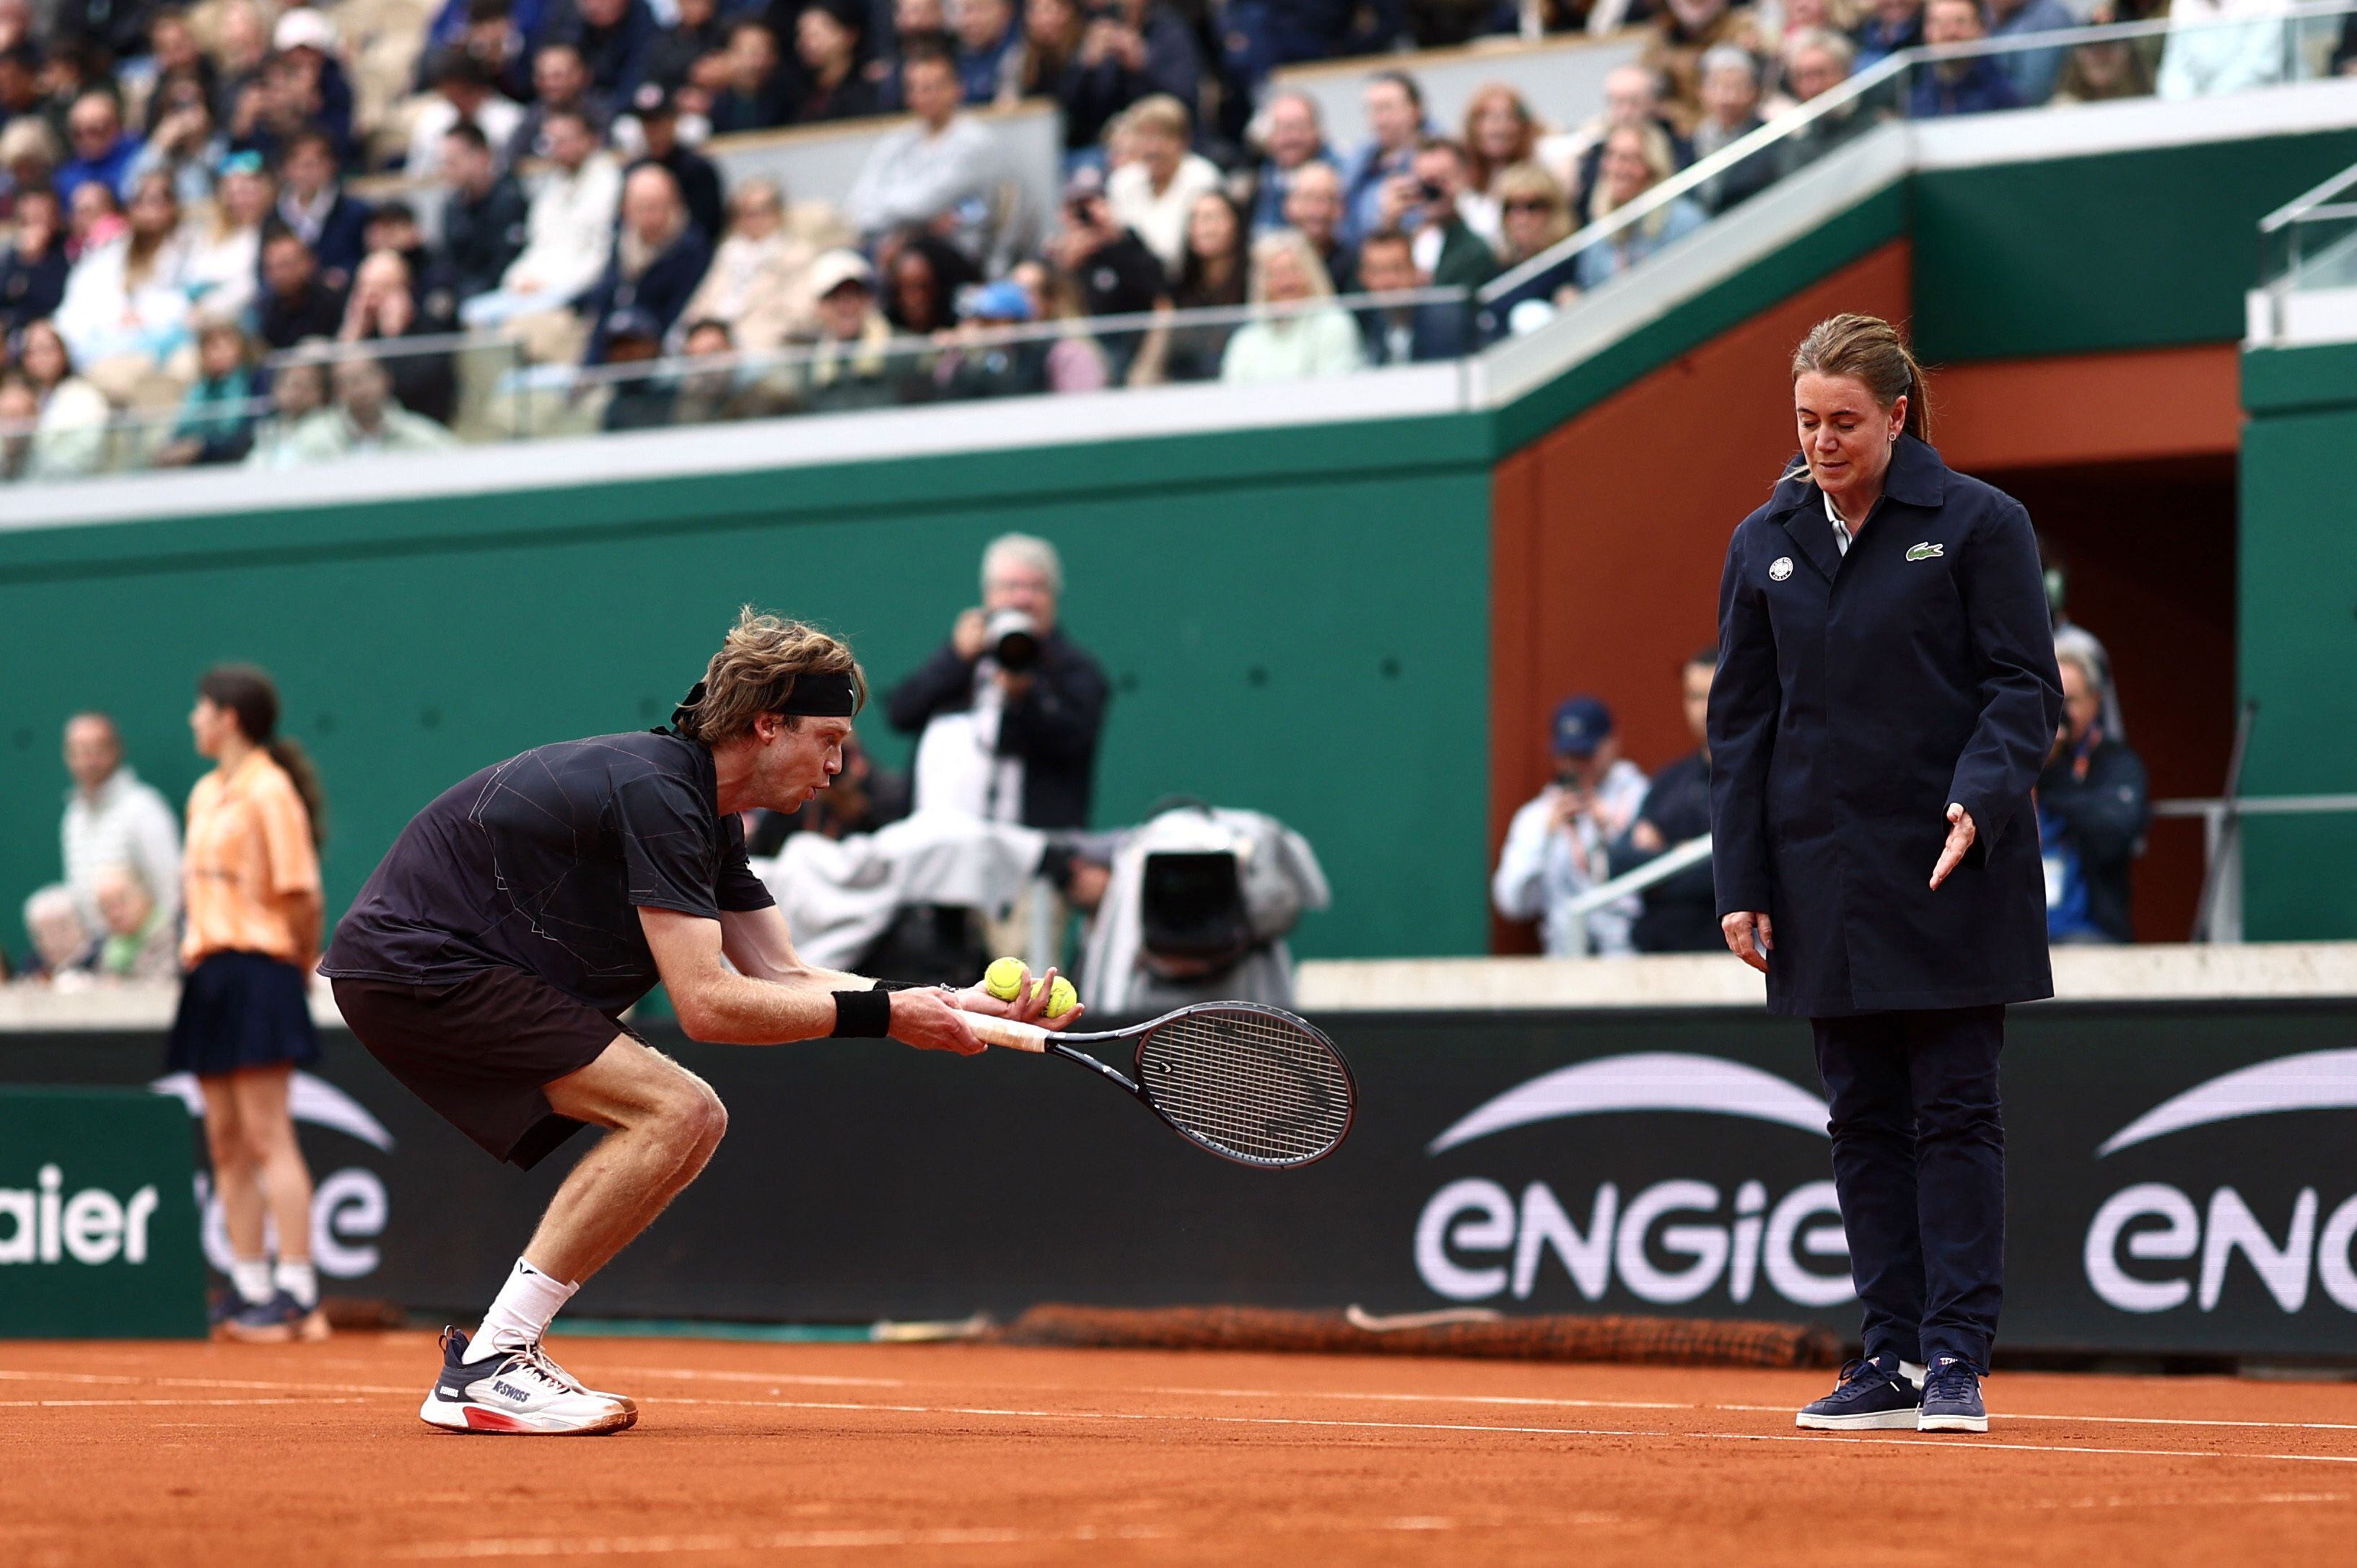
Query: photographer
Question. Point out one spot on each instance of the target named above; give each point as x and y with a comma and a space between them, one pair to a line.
1559, 844
1009, 710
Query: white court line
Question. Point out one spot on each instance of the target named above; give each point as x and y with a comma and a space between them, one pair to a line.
799, 1378
1962, 1442
163, 1383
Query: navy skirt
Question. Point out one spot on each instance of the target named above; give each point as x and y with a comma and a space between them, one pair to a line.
241, 1010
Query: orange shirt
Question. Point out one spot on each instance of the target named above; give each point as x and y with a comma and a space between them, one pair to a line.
249, 856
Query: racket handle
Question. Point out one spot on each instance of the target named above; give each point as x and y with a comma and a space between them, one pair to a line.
991, 1029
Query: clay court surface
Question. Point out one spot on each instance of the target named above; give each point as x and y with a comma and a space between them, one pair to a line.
971, 1454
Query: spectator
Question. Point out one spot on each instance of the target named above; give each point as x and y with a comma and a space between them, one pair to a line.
1258, 35
1395, 107
140, 945
112, 819
32, 267
464, 90
1815, 62
613, 38
1636, 159
485, 219
759, 285
939, 173
1153, 195
2031, 71
1424, 204
382, 311
22, 101
298, 394
915, 24
1537, 217
1009, 711
1500, 131
1558, 845
182, 142
217, 415
296, 304
1314, 210
71, 429
1076, 360
102, 150
129, 299
1065, 56
240, 50
1684, 32
850, 361
308, 88
1680, 912
560, 87
700, 33
2092, 814
365, 419
1974, 85
758, 92
567, 232
1632, 96
989, 63
697, 177
1404, 334
982, 357
1308, 340
224, 269
63, 945
313, 205
20, 418
2099, 72
1215, 274
2207, 50
174, 55
392, 226
1892, 26
722, 392
1118, 275
659, 257
253, 903
926, 276
97, 218
1730, 112
29, 155
832, 87
1291, 139
1154, 45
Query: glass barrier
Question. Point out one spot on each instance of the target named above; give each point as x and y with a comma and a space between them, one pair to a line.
2179, 59
2310, 242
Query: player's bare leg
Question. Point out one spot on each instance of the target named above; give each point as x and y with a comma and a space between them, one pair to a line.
662, 1124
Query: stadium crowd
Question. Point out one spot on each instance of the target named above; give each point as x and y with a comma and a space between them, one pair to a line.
184, 242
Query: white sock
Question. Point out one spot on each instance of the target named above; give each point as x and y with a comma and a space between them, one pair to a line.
300, 1281
519, 1313
250, 1276
1912, 1372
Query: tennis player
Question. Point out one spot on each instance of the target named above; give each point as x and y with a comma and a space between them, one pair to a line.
489, 958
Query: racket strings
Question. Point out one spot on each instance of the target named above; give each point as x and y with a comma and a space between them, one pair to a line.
1260, 1089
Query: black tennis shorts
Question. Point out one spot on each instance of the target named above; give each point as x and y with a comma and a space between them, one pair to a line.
482, 1051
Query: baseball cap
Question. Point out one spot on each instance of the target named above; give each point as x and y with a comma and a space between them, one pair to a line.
304, 29
835, 268
1581, 725
1087, 183
1000, 301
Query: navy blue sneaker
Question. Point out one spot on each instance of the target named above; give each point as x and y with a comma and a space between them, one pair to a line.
1951, 1398
278, 1321
1873, 1395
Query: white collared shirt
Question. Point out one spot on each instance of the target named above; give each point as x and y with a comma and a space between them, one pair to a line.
128, 824
1842, 533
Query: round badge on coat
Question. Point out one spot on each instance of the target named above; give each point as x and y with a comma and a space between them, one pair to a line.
1779, 568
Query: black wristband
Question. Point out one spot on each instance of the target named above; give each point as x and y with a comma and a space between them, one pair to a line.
862, 1014
900, 985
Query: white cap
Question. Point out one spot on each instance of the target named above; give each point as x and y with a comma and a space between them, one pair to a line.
304, 29
835, 268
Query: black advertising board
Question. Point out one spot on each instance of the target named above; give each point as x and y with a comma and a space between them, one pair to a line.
2179, 1180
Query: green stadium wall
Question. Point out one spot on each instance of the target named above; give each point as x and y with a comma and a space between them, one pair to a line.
1298, 620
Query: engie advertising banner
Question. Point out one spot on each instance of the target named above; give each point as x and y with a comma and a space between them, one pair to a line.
2179, 1180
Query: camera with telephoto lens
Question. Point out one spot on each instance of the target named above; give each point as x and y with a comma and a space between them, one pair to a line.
1013, 638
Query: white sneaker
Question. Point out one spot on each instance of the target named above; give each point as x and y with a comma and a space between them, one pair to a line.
519, 1391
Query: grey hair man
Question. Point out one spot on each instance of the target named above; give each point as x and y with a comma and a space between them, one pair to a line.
112, 819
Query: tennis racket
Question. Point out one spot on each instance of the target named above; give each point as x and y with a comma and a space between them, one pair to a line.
1251, 1083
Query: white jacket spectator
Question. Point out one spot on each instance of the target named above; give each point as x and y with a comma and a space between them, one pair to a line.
568, 234
113, 819
944, 165
130, 295
1321, 341
1157, 190
2207, 52
1559, 844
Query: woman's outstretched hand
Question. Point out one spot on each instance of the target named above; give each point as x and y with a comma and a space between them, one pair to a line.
1750, 937
1961, 834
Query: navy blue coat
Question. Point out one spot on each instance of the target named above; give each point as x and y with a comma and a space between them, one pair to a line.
1856, 696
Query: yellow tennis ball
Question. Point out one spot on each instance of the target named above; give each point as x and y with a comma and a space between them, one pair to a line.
1062, 998
1004, 978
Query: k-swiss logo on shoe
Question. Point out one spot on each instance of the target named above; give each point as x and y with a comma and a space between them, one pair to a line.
1927, 550
509, 1390
1779, 568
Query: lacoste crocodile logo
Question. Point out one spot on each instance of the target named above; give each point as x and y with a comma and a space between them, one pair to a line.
1927, 550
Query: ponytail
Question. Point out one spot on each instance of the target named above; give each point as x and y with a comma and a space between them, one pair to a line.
296, 763
252, 695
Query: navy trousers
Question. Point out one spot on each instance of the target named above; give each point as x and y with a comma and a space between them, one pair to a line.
1919, 1164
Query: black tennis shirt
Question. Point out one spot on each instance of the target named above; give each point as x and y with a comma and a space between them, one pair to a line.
543, 862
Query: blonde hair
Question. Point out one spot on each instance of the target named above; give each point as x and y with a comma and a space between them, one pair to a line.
1294, 244
754, 674
1868, 349
1159, 111
1653, 146
1532, 182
